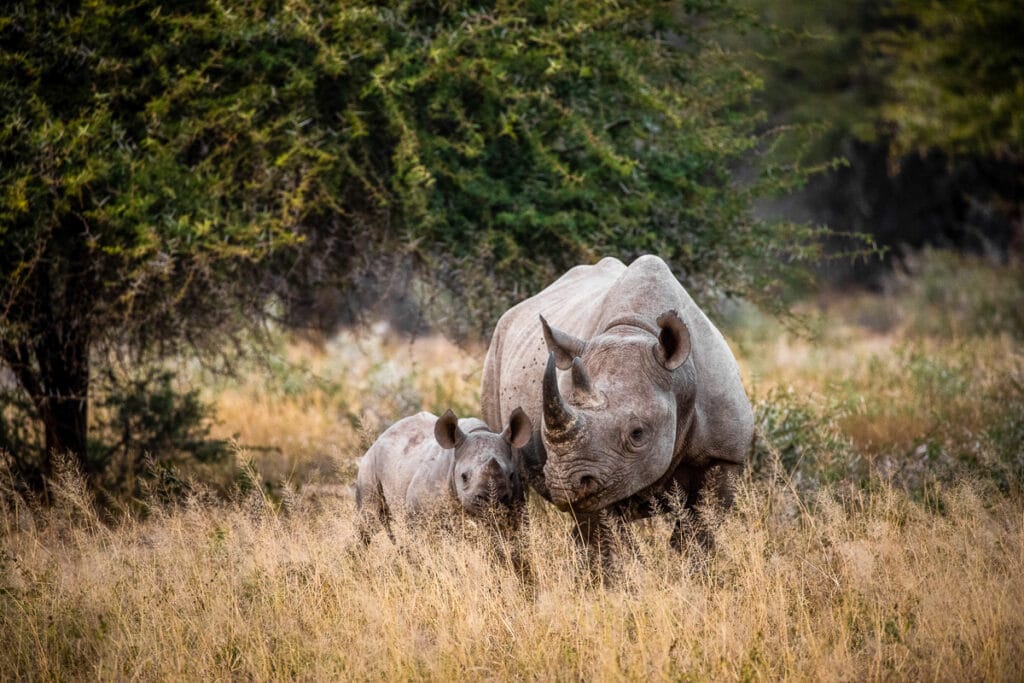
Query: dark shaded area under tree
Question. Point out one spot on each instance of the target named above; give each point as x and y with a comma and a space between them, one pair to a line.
922, 101
971, 205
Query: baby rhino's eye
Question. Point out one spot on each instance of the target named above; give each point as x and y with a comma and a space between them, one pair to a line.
637, 434
465, 478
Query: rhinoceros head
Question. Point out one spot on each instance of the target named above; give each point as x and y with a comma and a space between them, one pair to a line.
485, 475
610, 429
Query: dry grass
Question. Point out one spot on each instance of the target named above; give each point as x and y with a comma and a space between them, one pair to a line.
895, 387
879, 535
872, 586
314, 408
926, 381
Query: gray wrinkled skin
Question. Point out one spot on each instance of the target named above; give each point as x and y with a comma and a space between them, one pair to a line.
418, 469
649, 406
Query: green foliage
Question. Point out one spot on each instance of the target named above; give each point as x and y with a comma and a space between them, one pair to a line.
805, 442
526, 138
914, 74
169, 168
820, 72
143, 169
146, 169
922, 100
147, 422
957, 82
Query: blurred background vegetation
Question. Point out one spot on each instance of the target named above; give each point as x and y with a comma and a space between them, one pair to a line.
186, 185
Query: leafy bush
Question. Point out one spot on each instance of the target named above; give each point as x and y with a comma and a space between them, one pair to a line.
956, 78
802, 440
144, 426
146, 423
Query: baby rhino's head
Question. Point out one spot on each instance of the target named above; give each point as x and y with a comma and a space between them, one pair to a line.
485, 476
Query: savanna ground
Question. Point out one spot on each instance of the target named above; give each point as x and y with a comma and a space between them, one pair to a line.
878, 534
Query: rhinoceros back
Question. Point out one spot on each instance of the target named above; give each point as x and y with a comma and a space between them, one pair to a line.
405, 466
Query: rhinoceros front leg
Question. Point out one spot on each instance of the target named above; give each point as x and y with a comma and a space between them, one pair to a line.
599, 537
709, 497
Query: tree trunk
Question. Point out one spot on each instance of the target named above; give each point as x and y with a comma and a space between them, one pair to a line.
63, 403
57, 382
49, 355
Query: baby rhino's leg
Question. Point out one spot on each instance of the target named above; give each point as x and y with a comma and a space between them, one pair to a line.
371, 506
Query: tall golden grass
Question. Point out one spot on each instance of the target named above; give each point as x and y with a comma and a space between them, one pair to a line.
318, 406
835, 563
866, 585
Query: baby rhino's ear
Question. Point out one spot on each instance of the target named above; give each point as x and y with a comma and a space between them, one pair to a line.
447, 432
519, 429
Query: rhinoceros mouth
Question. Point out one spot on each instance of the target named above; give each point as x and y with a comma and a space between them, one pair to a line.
585, 504
582, 497
485, 511
486, 504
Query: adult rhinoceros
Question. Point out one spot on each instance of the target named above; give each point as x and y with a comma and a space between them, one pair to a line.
652, 406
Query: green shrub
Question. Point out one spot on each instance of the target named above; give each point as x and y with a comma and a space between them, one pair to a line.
805, 442
147, 423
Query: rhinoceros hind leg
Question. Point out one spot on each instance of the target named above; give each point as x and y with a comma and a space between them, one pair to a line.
373, 513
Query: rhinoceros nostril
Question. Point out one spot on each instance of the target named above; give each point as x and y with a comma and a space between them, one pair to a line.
586, 485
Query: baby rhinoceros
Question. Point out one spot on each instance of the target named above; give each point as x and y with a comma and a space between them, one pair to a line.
425, 465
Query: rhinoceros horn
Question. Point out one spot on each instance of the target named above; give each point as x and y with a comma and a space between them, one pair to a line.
584, 390
562, 344
559, 418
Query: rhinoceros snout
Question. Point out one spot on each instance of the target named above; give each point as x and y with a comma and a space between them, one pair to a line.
492, 494
570, 491
586, 485
486, 500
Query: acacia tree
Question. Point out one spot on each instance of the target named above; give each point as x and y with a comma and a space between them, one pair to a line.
146, 173
169, 166
530, 137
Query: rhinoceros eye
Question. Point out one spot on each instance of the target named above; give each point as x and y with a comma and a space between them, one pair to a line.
465, 478
637, 436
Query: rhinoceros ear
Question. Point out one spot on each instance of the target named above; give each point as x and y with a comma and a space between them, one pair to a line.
562, 344
519, 429
673, 340
447, 432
